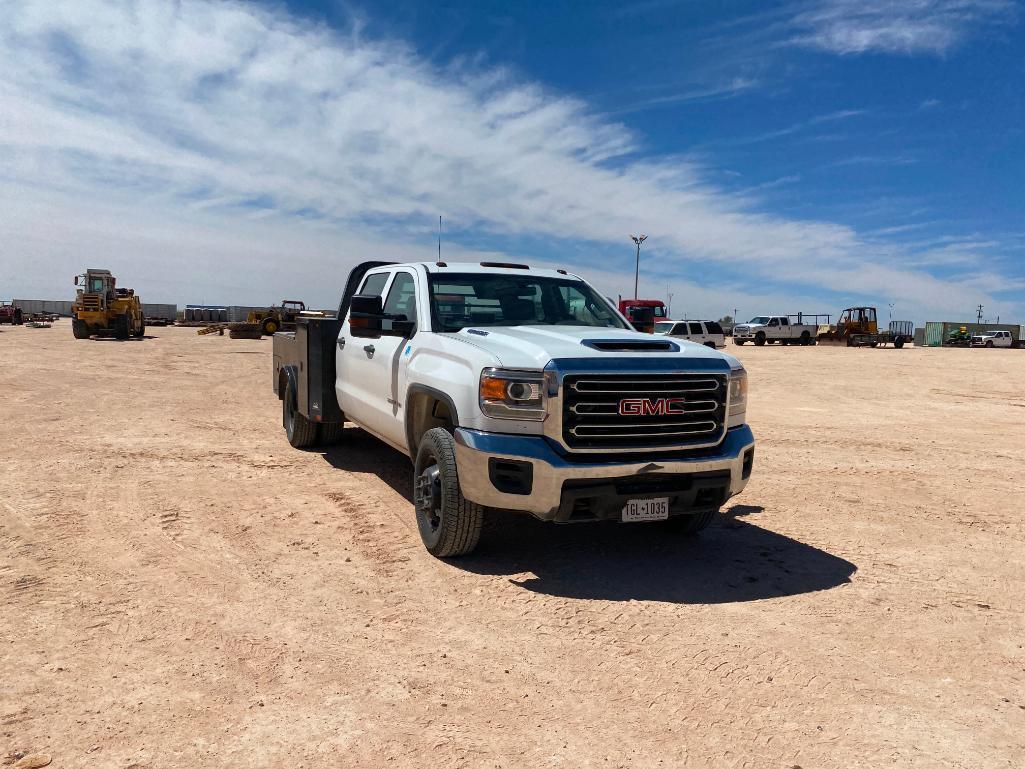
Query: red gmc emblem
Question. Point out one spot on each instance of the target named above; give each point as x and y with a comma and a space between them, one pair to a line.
644, 407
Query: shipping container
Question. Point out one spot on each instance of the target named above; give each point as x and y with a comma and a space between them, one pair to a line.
49, 306
240, 313
162, 311
933, 334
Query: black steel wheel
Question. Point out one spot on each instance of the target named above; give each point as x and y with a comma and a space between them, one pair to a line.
79, 328
760, 338
449, 524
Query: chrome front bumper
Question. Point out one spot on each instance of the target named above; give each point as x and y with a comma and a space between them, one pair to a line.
550, 470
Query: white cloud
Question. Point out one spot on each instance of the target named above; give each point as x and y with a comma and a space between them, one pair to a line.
894, 26
229, 149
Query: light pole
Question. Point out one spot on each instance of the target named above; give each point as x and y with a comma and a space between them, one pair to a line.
637, 267
669, 302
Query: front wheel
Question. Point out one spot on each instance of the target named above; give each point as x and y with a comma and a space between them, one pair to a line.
80, 329
449, 524
270, 326
989, 343
691, 524
759, 339
738, 342
122, 326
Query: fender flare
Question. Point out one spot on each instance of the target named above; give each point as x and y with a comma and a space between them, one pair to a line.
288, 374
421, 389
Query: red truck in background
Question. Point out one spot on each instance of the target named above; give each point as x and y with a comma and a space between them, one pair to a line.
10, 313
643, 313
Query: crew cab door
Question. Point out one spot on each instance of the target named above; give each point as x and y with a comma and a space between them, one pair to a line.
373, 372
354, 360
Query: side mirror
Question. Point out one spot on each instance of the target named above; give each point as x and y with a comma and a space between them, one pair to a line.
368, 321
76, 280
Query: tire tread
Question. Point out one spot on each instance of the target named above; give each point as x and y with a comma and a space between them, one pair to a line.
461, 527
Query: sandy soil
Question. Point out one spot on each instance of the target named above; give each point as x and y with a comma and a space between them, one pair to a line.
180, 588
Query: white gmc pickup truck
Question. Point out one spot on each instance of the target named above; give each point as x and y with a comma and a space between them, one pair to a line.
518, 389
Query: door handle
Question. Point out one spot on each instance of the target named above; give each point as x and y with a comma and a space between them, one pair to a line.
369, 350
341, 343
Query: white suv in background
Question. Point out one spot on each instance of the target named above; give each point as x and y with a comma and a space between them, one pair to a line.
706, 332
992, 339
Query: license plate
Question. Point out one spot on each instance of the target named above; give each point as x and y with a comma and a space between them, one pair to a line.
646, 510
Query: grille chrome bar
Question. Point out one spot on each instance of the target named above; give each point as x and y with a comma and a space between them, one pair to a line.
690, 407
697, 429
615, 386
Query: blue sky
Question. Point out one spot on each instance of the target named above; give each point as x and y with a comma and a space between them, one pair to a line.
794, 156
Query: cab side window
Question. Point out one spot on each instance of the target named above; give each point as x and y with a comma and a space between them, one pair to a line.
774, 322
695, 328
402, 297
373, 284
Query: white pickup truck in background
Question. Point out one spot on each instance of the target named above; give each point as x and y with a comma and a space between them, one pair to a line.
518, 389
992, 339
782, 329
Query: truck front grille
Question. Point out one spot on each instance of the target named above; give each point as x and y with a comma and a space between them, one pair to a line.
640, 411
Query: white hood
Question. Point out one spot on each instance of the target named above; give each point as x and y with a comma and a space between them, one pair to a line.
533, 347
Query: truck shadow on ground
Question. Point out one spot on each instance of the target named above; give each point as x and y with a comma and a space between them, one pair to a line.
734, 560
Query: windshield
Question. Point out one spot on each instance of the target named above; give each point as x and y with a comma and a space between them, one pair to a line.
761, 320
458, 301
664, 328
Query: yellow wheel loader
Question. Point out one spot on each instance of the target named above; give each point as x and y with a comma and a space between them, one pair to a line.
103, 309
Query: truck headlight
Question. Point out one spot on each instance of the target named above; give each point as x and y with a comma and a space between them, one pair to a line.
512, 394
738, 397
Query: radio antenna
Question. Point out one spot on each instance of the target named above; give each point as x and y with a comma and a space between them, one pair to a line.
439, 237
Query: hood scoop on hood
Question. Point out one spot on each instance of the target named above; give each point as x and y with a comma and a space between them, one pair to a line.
631, 345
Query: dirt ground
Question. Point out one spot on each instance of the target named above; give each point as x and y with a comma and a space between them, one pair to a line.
181, 588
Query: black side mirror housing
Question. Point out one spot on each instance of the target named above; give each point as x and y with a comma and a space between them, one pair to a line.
368, 321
